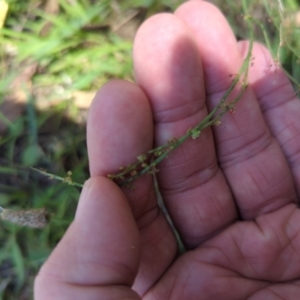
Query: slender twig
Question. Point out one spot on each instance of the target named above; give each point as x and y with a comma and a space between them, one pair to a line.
147, 163
67, 179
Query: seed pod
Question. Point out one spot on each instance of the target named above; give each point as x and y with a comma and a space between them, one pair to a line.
35, 218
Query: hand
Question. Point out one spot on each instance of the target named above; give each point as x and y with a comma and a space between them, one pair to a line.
231, 193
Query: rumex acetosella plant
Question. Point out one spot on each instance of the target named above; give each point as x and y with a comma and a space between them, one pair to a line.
148, 163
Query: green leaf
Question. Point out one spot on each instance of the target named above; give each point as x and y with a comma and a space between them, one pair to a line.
30, 155
18, 261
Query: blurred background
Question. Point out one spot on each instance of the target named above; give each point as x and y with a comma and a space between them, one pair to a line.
54, 55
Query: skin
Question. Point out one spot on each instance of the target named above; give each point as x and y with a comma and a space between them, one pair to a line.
232, 193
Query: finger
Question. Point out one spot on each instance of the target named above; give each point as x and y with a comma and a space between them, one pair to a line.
279, 104
168, 67
250, 157
93, 260
120, 128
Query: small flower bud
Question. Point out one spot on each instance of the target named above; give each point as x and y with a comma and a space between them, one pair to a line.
157, 153
133, 173
217, 122
142, 157
195, 134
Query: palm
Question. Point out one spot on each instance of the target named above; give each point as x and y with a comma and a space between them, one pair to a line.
253, 260
231, 193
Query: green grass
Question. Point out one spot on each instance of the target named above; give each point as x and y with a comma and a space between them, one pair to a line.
78, 48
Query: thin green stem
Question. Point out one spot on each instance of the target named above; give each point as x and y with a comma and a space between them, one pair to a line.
66, 179
136, 170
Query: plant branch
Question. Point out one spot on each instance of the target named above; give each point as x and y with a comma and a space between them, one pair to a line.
147, 163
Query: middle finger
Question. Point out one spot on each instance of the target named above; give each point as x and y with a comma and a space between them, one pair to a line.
168, 68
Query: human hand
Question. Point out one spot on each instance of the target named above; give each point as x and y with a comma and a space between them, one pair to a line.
231, 193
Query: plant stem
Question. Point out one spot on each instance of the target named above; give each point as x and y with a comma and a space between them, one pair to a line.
66, 179
146, 163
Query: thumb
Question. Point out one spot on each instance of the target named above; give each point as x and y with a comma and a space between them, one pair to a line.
98, 257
